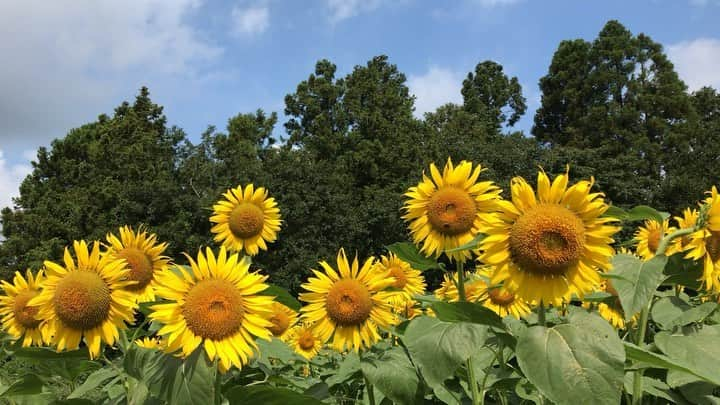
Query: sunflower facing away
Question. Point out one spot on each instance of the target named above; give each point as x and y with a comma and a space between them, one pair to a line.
348, 305
246, 220
475, 288
704, 243
283, 319
18, 319
304, 339
687, 220
214, 304
548, 247
143, 256
86, 299
408, 281
612, 312
649, 236
444, 210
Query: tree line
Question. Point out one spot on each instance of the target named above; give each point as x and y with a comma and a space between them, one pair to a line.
613, 108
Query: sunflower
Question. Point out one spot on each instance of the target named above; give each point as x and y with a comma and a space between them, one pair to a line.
18, 318
444, 212
688, 220
408, 309
612, 312
408, 281
153, 343
648, 238
86, 299
304, 339
348, 304
475, 288
143, 256
548, 247
704, 244
283, 319
246, 220
216, 304
504, 303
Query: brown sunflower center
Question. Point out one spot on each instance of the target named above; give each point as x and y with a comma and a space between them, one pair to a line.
141, 267
280, 321
24, 314
654, 237
712, 245
306, 340
246, 220
547, 240
501, 297
213, 309
451, 211
400, 277
348, 302
82, 300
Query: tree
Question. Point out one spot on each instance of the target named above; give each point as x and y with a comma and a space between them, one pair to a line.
490, 94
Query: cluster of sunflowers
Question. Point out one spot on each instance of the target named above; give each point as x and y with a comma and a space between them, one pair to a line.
542, 247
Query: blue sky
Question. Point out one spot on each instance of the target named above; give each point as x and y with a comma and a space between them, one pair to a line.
66, 62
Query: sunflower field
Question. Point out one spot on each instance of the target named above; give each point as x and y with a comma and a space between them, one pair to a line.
539, 301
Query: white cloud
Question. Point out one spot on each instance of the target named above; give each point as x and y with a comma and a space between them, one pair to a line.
64, 62
344, 9
697, 62
436, 87
10, 178
250, 21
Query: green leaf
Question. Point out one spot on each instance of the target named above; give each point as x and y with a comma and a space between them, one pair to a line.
394, 375
650, 386
649, 359
471, 245
438, 348
670, 312
29, 384
409, 253
681, 271
699, 353
93, 381
268, 395
571, 363
349, 367
466, 312
44, 353
615, 212
275, 349
282, 296
636, 281
643, 212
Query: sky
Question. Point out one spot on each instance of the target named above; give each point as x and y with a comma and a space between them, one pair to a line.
66, 62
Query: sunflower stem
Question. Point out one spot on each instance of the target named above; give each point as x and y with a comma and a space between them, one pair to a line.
642, 327
541, 314
461, 281
370, 391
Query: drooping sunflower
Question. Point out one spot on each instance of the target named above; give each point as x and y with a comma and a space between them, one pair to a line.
475, 288
216, 305
19, 319
648, 238
548, 247
348, 304
247, 219
143, 255
687, 220
504, 303
704, 244
408, 281
282, 319
304, 339
86, 299
444, 210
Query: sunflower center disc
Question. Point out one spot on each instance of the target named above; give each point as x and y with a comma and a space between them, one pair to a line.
712, 245
348, 302
547, 240
400, 278
654, 237
280, 321
451, 211
24, 314
501, 297
141, 267
82, 300
213, 309
246, 220
306, 341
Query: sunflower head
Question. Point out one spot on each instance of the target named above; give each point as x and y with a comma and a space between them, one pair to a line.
688, 220
304, 339
504, 303
704, 243
348, 304
408, 281
475, 287
549, 245
444, 210
283, 319
18, 318
153, 343
246, 220
648, 238
143, 255
86, 298
213, 303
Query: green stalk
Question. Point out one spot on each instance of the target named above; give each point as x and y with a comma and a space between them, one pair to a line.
370, 391
461, 280
541, 314
469, 363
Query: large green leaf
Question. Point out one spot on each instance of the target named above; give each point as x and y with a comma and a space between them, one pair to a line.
670, 312
282, 296
438, 348
275, 349
636, 281
349, 367
268, 395
466, 312
29, 384
639, 213
648, 359
571, 363
93, 381
394, 375
410, 254
699, 353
